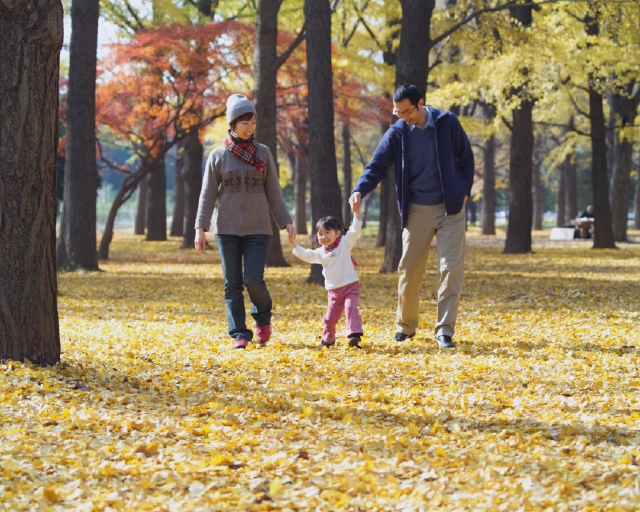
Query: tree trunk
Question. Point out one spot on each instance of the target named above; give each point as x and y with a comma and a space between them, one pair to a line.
393, 247
520, 164
520, 177
141, 208
602, 225
300, 190
30, 39
561, 196
624, 108
537, 198
571, 185
347, 175
489, 187
636, 205
323, 168
177, 220
412, 67
192, 175
383, 218
365, 208
472, 208
157, 203
77, 243
264, 95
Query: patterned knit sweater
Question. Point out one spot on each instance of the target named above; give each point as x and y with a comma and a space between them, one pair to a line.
245, 195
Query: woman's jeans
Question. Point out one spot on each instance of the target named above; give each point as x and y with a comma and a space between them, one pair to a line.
252, 249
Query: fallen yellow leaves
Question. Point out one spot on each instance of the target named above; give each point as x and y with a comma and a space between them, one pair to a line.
152, 409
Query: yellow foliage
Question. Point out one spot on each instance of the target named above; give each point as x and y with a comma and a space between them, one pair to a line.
152, 409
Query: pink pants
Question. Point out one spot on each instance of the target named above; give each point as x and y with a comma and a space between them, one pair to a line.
343, 298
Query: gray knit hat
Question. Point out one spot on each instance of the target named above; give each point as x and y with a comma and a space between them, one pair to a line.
238, 104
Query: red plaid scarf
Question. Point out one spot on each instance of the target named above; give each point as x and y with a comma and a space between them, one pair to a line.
247, 150
335, 244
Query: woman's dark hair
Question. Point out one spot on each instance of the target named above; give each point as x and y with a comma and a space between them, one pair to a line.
328, 223
407, 92
244, 117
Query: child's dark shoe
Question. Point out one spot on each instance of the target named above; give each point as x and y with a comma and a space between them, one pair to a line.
354, 341
327, 343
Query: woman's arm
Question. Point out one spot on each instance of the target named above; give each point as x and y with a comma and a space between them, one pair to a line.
208, 193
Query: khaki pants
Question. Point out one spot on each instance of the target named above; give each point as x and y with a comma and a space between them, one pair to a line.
425, 221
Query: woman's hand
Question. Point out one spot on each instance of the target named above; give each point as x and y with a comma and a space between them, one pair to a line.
291, 230
200, 241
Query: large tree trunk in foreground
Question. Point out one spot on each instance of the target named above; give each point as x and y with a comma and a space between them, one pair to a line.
77, 243
30, 42
520, 176
192, 174
157, 203
141, 207
177, 219
264, 96
323, 168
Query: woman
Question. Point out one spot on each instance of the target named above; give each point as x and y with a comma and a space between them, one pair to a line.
241, 175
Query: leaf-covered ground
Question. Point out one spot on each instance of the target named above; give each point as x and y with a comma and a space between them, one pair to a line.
152, 409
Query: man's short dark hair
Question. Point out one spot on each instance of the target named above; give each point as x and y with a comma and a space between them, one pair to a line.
407, 92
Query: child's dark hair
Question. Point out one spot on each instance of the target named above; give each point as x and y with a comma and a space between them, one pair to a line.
329, 223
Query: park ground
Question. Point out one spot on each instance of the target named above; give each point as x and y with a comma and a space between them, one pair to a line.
151, 408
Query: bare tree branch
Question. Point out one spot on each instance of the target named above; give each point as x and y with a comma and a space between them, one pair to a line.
296, 42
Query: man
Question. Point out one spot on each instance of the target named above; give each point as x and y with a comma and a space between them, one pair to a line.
434, 172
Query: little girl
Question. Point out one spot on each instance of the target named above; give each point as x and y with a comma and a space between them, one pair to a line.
340, 277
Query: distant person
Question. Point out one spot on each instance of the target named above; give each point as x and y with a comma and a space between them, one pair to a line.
434, 169
587, 213
241, 176
340, 277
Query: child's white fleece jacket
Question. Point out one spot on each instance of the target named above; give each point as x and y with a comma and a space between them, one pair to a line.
337, 266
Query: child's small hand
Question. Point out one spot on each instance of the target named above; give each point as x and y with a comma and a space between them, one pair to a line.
292, 241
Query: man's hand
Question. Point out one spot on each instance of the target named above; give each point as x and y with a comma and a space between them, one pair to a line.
465, 201
200, 241
355, 200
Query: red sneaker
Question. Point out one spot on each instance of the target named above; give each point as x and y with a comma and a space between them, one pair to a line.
263, 333
240, 343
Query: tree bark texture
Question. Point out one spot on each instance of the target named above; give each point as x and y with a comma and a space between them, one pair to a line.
561, 195
300, 190
602, 224
520, 177
193, 154
385, 191
264, 96
537, 197
636, 205
489, 187
412, 67
77, 242
346, 173
30, 42
624, 108
157, 203
393, 247
323, 168
177, 219
141, 207
571, 184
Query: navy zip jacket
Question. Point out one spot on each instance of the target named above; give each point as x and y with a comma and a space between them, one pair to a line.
453, 154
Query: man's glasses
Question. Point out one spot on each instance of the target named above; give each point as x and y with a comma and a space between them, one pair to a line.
403, 113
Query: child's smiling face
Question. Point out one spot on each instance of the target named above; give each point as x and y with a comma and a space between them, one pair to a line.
326, 237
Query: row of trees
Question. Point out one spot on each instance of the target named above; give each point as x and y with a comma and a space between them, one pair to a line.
506, 65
